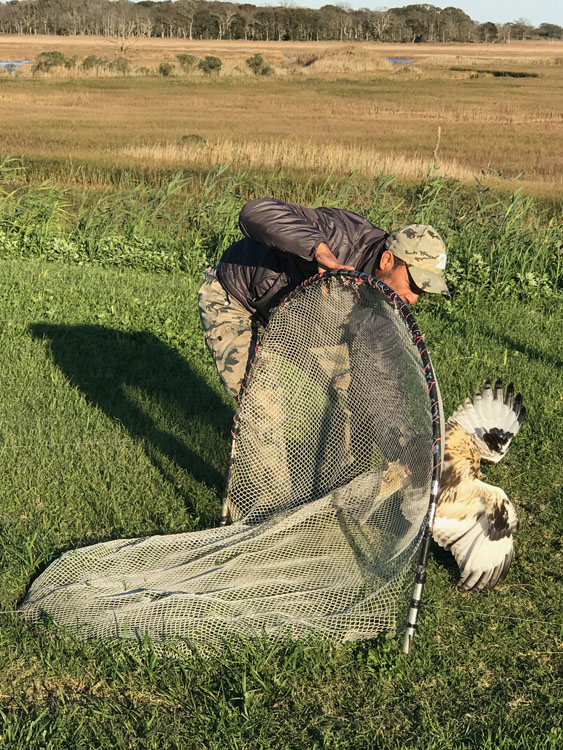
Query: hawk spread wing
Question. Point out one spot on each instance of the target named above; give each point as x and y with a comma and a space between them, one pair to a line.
475, 520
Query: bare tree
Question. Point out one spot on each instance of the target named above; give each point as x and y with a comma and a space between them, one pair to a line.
224, 13
186, 10
378, 23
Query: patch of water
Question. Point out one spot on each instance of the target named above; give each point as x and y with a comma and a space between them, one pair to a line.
5, 63
399, 59
10, 66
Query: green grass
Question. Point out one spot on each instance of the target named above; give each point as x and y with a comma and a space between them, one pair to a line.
114, 424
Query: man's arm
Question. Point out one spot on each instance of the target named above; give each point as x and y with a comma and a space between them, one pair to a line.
327, 261
286, 227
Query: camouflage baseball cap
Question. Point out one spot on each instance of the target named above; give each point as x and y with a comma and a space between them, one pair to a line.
424, 252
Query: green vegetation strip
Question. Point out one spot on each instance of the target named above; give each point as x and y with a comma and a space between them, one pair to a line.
496, 73
114, 424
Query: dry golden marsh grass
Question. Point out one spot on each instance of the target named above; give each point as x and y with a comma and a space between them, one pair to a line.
351, 108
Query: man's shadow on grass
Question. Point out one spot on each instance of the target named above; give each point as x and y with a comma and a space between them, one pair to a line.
105, 363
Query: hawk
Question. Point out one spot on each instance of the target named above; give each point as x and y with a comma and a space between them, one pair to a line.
476, 521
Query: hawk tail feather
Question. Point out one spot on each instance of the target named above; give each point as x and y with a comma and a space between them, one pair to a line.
492, 417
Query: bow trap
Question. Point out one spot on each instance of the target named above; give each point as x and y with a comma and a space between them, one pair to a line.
334, 450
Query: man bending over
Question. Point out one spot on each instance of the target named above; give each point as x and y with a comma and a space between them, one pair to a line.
285, 244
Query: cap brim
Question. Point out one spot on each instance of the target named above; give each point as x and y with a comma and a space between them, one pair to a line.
428, 281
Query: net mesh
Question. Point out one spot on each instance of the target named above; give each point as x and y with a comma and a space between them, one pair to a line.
329, 480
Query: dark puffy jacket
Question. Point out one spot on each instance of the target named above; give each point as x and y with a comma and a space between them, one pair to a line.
278, 251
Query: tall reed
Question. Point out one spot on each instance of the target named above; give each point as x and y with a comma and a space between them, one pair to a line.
500, 243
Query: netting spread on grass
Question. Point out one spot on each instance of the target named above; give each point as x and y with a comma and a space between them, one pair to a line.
328, 492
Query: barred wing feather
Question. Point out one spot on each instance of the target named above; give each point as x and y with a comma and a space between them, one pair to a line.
491, 419
475, 520
479, 534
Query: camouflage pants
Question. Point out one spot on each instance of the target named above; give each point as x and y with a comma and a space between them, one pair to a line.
228, 331
230, 335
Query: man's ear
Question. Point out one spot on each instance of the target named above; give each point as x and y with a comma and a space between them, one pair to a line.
386, 261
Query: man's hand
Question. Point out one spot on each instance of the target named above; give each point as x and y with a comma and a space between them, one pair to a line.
327, 261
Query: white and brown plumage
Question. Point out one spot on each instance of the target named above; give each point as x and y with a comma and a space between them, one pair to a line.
475, 520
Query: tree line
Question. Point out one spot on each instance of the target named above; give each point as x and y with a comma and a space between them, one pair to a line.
203, 19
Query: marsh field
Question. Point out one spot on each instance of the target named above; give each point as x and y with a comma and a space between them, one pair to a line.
116, 191
331, 104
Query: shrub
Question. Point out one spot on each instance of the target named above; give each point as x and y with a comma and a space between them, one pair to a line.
194, 139
259, 66
48, 60
187, 62
305, 60
143, 71
166, 69
92, 61
210, 64
120, 64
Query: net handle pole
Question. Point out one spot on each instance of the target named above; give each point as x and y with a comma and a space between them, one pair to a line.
224, 512
420, 577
